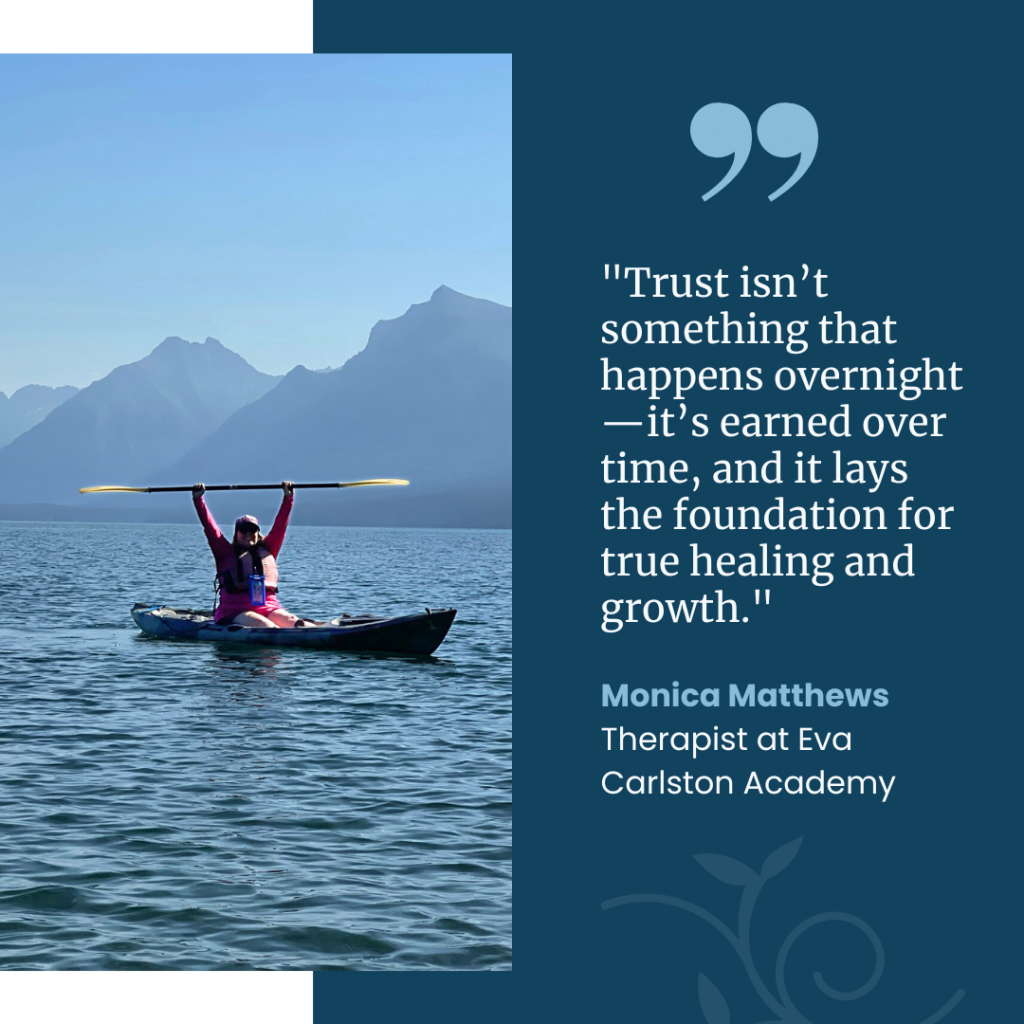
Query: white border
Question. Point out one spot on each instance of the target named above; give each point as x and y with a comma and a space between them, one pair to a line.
156, 26
157, 997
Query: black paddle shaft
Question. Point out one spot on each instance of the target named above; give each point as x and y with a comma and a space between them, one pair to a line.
236, 487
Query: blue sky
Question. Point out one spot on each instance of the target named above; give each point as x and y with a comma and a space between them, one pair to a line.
282, 204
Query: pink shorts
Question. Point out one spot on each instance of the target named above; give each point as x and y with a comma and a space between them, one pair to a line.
234, 604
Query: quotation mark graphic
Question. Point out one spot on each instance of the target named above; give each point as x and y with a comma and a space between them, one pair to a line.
784, 130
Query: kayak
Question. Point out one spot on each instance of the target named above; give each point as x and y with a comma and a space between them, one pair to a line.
403, 634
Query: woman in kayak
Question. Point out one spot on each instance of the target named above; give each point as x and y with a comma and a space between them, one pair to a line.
247, 566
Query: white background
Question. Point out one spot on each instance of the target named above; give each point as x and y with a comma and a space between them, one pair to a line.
156, 26
157, 997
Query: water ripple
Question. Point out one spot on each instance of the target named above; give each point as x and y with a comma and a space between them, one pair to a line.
167, 805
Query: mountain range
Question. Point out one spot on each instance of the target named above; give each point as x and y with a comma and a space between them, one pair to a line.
27, 407
116, 428
428, 399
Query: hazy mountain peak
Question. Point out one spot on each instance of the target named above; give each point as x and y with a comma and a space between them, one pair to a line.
208, 367
449, 328
164, 403
429, 399
443, 295
171, 343
448, 299
299, 381
28, 406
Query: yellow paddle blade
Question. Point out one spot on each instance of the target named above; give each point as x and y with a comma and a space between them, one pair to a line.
373, 483
98, 490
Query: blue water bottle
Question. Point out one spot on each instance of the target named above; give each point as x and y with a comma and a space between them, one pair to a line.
257, 590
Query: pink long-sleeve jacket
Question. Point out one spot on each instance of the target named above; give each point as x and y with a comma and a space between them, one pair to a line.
231, 604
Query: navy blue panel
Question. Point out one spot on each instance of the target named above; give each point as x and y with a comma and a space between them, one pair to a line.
452, 26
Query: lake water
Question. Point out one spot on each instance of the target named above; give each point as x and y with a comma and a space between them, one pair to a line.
166, 804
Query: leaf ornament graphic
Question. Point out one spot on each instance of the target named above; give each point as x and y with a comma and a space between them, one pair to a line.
779, 860
727, 870
733, 872
712, 1002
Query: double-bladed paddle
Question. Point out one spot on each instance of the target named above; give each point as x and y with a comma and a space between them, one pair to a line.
240, 487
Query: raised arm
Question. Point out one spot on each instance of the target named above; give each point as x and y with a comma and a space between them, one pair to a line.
217, 541
275, 538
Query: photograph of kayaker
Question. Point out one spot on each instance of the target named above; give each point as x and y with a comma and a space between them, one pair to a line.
256, 493
247, 567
